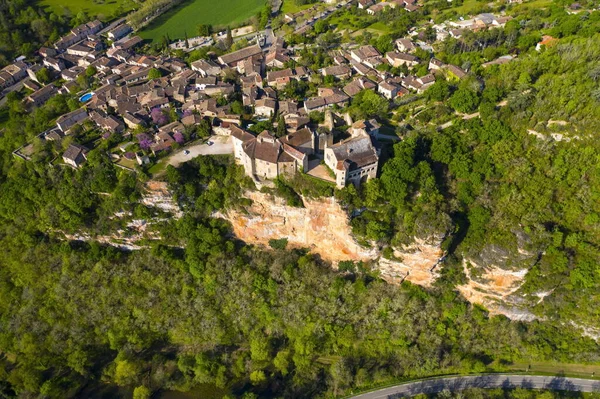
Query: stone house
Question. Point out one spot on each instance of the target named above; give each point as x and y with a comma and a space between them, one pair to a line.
352, 160
265, 107
338, 71
132, 121
66, 121
75, 155
435, 64
405, 45
397, 59
239, 137
364, 4
55, 63
119, 32
364, 53
357, 85
267, 157
302, 140
206, 68
455, 71
233, 58
388, 89
39, 97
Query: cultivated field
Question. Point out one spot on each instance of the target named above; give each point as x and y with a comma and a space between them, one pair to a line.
93, 8
187, 17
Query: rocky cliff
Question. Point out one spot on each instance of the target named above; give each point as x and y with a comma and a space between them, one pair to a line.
323, 227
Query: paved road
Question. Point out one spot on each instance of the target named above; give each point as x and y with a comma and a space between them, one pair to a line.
484, 381
221, 145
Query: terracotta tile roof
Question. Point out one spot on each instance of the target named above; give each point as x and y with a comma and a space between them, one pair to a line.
236, 56
240, 133
357, 152
298, 138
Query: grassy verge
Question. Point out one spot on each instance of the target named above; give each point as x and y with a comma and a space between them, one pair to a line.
574, 370
532, 5
468, 7
536, 369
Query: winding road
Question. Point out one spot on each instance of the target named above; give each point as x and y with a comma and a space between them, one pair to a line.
506, 381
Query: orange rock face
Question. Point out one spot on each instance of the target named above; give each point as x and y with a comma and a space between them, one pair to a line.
323, 227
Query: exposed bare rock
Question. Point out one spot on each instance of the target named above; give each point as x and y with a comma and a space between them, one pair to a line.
323, 226
417, 263
493, 288
117, 240
157, 195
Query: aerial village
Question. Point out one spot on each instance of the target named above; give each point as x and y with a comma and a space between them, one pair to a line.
157, 106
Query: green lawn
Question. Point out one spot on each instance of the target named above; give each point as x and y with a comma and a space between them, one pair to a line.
380, 27
530, 5
158, 168
128, 163
290, 6
468, 7
106, 8
187, 17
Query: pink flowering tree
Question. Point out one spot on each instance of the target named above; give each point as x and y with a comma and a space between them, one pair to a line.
144, 140
158, 116
179, 138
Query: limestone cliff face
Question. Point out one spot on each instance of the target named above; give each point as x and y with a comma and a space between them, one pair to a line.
323, 226
493, 287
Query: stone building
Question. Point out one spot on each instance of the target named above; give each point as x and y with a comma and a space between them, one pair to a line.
352, 160
267, 157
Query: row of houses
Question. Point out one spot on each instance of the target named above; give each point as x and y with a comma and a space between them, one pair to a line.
373, 7
265, 156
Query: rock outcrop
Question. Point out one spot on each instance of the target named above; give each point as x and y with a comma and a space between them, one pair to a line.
493, 287
323, 227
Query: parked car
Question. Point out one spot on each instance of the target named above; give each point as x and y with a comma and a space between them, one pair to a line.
186, 152
209, 143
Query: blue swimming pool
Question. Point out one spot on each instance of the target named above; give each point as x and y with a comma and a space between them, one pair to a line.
86, 97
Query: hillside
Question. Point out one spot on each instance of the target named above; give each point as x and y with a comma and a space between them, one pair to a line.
368, 193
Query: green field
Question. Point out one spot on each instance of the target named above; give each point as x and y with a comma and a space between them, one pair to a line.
380, 27
187, 17
290, 6
107, 8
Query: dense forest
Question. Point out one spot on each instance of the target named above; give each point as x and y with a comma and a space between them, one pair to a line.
24, 27
201, 308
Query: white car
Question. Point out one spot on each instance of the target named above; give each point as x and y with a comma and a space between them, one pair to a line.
186, 152
209, 143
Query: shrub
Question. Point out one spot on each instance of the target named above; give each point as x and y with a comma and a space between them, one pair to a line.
280, 243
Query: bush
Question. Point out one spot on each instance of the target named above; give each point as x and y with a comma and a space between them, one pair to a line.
464, 100
280, 243
288, 194
347, 266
